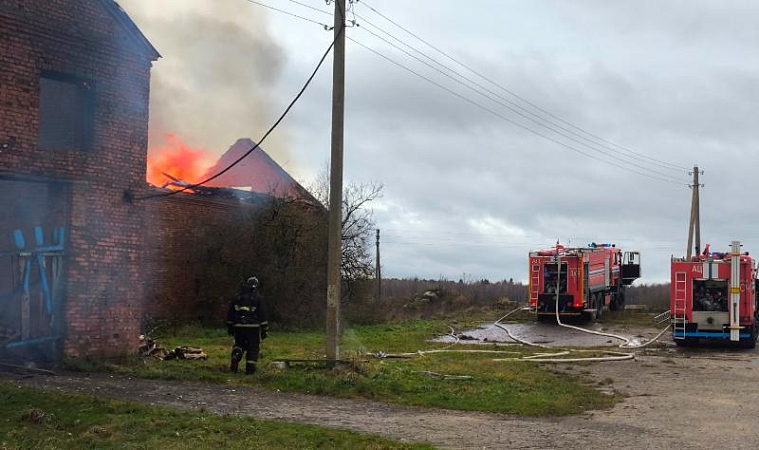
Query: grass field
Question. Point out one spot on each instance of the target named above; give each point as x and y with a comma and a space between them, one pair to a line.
35, 419
504, 387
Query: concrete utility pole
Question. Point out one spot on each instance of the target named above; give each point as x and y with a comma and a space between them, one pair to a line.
695, 215
334, 255
379, 269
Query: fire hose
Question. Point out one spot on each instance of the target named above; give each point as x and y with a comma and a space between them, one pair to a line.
555, 357
613, 356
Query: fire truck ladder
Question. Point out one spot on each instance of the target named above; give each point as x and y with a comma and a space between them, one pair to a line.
534, 283
679, 318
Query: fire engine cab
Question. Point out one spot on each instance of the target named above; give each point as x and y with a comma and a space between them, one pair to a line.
713, 296
587, 279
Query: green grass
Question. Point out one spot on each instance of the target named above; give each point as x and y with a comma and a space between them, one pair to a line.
36, 419
503, 387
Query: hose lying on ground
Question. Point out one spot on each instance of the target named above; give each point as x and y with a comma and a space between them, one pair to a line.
628, 344
538, 357
613, 356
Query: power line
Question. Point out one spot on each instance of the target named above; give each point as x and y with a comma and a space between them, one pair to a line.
462, 244
497, 114
668, 178
311, 7
290, 13
540, 119
268, 132
515, 95
539, 123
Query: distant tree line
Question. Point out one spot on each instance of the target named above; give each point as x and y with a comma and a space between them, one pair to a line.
654, 296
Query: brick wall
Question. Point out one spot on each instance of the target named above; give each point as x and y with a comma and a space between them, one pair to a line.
176, 229
203, 247
104, 268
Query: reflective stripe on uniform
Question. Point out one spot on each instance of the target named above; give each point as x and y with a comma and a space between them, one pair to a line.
247, 325
265, 322
245, 308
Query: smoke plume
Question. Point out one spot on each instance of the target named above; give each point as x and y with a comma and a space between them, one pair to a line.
219, 67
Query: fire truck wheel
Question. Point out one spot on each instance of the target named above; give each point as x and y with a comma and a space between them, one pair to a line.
751, 343
617, 302
687, 342
599, 304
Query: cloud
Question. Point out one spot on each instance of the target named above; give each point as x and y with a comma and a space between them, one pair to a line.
674, 80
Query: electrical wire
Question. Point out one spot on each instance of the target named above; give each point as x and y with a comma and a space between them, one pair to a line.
664, 178
290, 13
515, 107
513, 122
268, 132
305, 5
515, 95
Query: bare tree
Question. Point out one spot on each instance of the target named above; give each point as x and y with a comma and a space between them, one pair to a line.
357, 224
358, 228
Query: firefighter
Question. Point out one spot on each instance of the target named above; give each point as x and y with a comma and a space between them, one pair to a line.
247, 321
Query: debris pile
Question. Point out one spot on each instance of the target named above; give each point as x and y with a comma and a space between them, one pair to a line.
428, 297
149, 348
193, 353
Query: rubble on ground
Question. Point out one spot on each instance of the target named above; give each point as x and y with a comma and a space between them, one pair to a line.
149, 348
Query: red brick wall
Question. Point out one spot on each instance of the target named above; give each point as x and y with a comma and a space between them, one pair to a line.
203, 247
104, 268
176, 227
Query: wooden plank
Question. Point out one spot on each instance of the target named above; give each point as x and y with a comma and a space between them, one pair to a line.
25, 301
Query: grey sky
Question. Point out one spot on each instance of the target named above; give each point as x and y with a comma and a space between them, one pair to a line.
467, 192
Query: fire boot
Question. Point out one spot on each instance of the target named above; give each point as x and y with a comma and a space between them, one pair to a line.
250, 368
236, 357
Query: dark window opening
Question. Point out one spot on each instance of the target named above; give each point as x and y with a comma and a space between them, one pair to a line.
66, 112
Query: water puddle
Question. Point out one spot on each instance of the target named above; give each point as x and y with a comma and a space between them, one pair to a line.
540, 333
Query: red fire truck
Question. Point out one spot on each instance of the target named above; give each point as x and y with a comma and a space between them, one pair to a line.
713, 296
587, 279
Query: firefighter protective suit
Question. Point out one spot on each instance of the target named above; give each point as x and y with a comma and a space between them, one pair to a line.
247, 321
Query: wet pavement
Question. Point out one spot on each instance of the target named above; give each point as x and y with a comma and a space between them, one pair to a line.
550, 334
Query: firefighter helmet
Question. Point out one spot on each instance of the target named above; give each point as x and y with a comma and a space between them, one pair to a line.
252, 283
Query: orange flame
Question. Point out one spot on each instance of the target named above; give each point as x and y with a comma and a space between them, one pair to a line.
177, 159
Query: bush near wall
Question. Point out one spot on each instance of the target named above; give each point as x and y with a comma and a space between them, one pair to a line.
283, 243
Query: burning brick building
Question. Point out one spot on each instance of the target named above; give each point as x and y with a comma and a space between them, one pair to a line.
210, 238
74, 95
82, 260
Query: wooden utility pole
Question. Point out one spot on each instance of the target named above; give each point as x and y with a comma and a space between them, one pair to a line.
379, 269
334, 255
694, 227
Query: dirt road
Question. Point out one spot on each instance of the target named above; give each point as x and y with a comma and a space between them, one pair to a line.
698, 400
